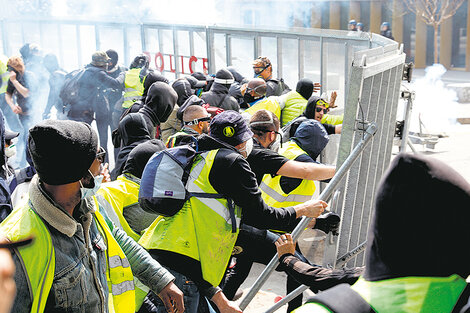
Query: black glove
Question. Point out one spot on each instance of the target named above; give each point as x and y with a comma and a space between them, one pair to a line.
328, 222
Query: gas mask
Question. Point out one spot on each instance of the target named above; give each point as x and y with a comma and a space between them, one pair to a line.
276, 144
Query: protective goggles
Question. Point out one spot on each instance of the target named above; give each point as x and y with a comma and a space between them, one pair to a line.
260, 69
101, 155
197, 120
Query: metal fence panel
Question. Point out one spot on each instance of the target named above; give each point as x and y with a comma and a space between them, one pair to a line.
373, 92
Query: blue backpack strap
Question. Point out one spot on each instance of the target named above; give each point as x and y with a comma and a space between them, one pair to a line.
342, 299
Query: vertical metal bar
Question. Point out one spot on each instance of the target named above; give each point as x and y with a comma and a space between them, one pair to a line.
97, 37
228, 49
404, 138
61, 46
325, 195
79, 45
301, 59
256, 46
210, 49
143, 38
160, 41
176, 54
279, 56
346, 70
191, 43
322, 69
126, 45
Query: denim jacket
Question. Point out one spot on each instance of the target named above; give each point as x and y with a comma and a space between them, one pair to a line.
79, 283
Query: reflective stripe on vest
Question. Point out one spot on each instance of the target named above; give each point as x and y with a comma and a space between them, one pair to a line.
134, 88
270, 187
38, 259
295, 105
118, 273
271, 104
202, 229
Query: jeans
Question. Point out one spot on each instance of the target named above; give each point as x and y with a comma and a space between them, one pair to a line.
189, 289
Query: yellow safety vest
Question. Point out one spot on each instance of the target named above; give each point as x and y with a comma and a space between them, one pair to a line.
202, 229
270, 187
39, 259
294, 106
134, 88
4, 74
332, 119
121, 193
271, 104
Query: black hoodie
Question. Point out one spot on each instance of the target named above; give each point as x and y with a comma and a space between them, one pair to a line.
420, 223
133, 131
219, 97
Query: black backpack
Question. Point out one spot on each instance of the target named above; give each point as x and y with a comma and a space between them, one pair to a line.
70, 88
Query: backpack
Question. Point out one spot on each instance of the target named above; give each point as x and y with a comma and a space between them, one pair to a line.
69, 91
164, 179
289, 129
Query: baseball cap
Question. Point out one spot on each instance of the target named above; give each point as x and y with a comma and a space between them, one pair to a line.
230, 127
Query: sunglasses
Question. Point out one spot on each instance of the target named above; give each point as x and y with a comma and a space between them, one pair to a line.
321, 109
100, 156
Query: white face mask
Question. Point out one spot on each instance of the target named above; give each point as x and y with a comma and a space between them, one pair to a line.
248, 148
89, 192
10, 151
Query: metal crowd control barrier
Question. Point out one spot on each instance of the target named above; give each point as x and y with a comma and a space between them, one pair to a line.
319, 54
373, 93
325, 195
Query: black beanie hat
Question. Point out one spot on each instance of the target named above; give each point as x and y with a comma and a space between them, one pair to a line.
224, 77
62, 151
305, 88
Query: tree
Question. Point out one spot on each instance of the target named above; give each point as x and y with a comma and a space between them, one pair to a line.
433, 13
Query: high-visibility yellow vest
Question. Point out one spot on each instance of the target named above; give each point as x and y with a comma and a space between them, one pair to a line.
270, 187
202, 229
4, 73
294, 106
121, 193
39, 259
134, 88
404, 294
332, 119
271, 104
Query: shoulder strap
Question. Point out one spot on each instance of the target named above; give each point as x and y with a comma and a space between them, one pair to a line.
350, 300
463, 304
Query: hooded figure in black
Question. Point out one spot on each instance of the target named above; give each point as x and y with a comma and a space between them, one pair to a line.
305, 88
5, 198
417, 239
235, 88
218, 95
183, 89
142, 125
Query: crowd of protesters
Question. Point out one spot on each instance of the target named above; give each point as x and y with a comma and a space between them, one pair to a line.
211, 173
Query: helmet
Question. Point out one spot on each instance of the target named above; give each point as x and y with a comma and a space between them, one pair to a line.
360, 25
352, 22
140, 61
385, 24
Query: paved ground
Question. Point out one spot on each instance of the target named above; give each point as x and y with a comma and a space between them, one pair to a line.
454, 149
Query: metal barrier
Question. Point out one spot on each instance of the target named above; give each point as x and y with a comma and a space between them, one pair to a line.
322, 55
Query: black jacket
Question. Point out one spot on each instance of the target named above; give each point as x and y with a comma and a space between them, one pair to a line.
243, 190
219, 97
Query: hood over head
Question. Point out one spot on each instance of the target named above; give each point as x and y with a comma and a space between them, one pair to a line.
420, 222
193, 100
312, 105
151, 78
160, 101
311, 137
132, 128
305, 88
236, 74
140, 155
183, 89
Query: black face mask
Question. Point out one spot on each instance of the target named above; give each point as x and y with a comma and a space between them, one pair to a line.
249, 98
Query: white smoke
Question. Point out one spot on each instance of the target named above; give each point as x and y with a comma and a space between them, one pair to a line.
434, 105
